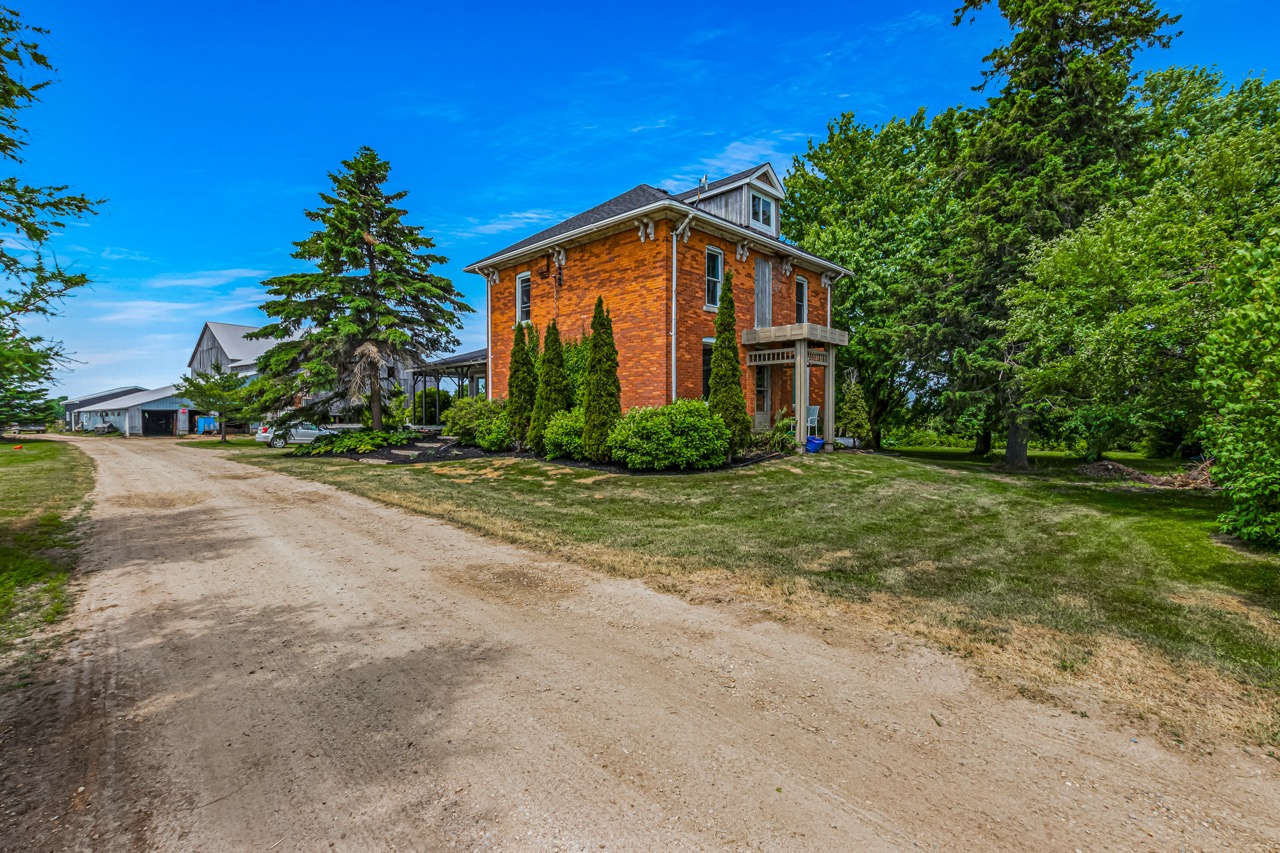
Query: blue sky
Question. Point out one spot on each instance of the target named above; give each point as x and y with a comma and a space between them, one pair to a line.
211, 127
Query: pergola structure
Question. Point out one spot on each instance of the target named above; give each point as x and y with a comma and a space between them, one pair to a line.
467, 370
792, 346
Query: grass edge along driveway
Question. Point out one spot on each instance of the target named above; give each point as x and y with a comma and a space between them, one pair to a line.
1069, 591
43, 496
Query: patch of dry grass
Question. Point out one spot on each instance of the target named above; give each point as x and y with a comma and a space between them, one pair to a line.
1073, 593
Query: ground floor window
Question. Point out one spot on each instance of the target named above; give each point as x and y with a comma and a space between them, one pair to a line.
706, 371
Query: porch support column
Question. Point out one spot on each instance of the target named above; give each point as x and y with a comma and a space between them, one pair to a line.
800, 377
829, 401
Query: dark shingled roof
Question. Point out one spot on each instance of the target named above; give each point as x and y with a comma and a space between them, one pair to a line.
715, 185
463, 359
632, 199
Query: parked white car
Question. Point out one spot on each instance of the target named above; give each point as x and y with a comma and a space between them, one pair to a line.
293, 434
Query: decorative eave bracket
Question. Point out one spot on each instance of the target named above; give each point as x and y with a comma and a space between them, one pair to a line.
557, 256
645, 225
788, 264
744, 250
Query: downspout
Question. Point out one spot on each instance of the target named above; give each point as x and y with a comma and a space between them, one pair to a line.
675, 236
488, 341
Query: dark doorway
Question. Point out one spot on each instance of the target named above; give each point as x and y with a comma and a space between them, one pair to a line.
158, 423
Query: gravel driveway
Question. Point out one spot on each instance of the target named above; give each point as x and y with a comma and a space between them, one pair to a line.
269, 664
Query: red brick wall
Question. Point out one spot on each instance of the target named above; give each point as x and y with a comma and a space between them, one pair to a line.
635, 280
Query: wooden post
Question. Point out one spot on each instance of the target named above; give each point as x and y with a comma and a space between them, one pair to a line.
829, 401
801, 379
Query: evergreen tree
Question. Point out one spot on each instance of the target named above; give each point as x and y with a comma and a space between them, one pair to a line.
1048, 151
603, 398
851, 414
216, 392
726, 398
372, 305
554, 394
522, 385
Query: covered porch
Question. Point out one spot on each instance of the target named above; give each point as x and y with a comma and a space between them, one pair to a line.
802, 347
466, 372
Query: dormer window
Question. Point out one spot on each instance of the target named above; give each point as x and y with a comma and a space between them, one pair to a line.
762, 212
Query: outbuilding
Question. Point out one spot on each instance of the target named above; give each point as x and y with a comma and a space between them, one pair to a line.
151, 413
72, 407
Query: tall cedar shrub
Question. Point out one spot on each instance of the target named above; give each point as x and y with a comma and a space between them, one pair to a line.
553, 394
602, 401
726, 398
522, 386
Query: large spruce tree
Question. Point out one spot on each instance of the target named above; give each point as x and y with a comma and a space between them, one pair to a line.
372, 304
1048, 150
522, 385
602, 403
554, 394
726, 398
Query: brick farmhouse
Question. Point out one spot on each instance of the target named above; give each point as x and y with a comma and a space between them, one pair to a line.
660, 260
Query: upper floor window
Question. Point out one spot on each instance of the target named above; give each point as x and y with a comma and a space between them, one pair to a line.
802, 299
715, 275
524, 297
762, 211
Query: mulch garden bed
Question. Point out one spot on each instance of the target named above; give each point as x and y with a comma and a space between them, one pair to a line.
442, 450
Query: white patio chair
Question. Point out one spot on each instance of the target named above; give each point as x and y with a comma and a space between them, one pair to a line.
811, 421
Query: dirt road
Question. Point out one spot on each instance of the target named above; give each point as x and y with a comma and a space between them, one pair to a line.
269, 664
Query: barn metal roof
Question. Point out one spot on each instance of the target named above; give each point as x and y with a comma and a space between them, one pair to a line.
137, 399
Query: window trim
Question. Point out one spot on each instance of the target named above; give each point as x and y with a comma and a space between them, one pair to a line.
706, 279
802, 287
527, 279
773, 211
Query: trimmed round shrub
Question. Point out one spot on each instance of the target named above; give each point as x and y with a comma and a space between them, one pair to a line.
683, 434
468, 417
563, 435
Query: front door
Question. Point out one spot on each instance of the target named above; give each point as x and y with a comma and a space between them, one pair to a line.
764, 293
764, 399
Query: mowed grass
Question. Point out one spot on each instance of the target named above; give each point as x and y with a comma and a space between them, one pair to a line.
42, 493
1053, 575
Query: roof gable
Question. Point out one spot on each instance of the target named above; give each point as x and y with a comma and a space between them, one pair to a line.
762, 175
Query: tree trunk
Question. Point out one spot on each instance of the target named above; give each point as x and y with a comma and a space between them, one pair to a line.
876, 433
982, 446
375, 403
222, 422
1015, 452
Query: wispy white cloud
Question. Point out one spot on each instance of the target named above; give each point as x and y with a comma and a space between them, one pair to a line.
736, 156
509, 222
204, 278
114, 253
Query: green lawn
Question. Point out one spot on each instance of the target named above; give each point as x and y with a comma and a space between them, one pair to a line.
42, 493
950, 541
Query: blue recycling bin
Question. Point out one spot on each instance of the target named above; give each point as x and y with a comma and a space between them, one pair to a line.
813, 444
